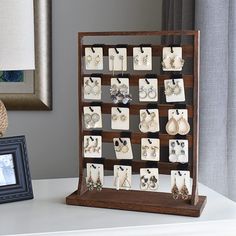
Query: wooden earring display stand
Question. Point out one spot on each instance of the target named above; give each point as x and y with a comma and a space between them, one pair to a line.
157, 202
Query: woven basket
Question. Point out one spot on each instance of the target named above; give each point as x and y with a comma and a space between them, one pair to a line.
3, 119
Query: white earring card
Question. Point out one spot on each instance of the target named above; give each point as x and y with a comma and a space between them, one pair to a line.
94, 58
172, 59
93, 146
117, 59
181, 178
150, 149
142, 58
92, 117
122, 177
174, 90
123, 148
149, 179
149, 120
148, 90
94, 171
178, 150
120, 118
92, 88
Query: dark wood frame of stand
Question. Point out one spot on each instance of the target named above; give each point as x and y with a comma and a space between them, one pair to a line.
156, 202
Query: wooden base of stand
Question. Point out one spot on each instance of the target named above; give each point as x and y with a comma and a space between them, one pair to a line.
137, 201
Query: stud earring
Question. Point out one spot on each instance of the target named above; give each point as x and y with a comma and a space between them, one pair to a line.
89, 59
172, 127
114, 117
173, 157
123, 118
126, 184
153, 183
98, 182
183, 125
184, 191
90, 183
175, 190
143, 183
97, 60
182, 158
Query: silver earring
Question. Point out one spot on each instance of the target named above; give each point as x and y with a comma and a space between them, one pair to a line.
144, 183
152, 93
86, 147
96, 88
126, 184
168, 89
121, 57
97, 60
117, 179
136, 60
143, 93
182, 158
152, 123
89, 59
144, 151
143, 125
154, 151
112, 58
173, 157
87, 88
145, 60
153, 185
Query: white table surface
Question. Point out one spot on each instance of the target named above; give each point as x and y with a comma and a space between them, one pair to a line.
48, 214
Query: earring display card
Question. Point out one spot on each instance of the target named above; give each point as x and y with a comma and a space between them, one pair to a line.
149, 179
149, 120
95, 171
123, 148
150, 149
92, 88
148, 90
120, 118
94, 58
172, 59
92, 146
142, 58
117, 59
180, 123
92, 117
181, 178
174, 90
122, 177
178, 150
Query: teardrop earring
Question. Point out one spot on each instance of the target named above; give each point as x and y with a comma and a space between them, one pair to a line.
172, 127
175, 190
184, 191
177, 89
183, 126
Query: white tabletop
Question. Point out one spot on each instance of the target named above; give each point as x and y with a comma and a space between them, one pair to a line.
48, 214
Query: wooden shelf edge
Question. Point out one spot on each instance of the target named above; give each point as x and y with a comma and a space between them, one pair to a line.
135, 201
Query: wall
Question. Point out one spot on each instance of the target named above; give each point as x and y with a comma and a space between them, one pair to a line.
52, 137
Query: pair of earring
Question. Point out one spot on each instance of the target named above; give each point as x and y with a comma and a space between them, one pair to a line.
92, 148
183, 192
121, 146
89, 60
144, 60
125, 184
153, 151
150, 92
172, 89
90, 120
94, 184
119, 94
169, 63
149, 183
173, 157
148, 125
92, 87
180, 126
122, 117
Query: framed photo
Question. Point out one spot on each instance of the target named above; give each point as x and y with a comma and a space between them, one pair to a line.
15, 180
32, 90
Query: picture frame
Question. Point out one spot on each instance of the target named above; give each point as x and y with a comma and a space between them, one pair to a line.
15, 179
15, 95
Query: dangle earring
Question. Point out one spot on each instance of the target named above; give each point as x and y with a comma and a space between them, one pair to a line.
121, 57
143, 93
86, 147
89, 59
87, 88
182, 158
152, 124
136, 60
152, 93
90, 183
145, 60
126, 184
175, 191
183, 125
172, 127
168, 90
173, 157
184, 191
154, 151
117, 179
125, 147
112, 58
143, 125
144, 151
96, 88
143, 183
178, 63
97, 60
176, 89
153, 183
167, 63
99, 182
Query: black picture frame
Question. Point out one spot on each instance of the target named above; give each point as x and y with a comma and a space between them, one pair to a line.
22, 189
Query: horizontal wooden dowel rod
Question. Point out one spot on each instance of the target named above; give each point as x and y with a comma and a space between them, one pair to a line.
107, 137
164, 167
135, 108
134, 79
187, 50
